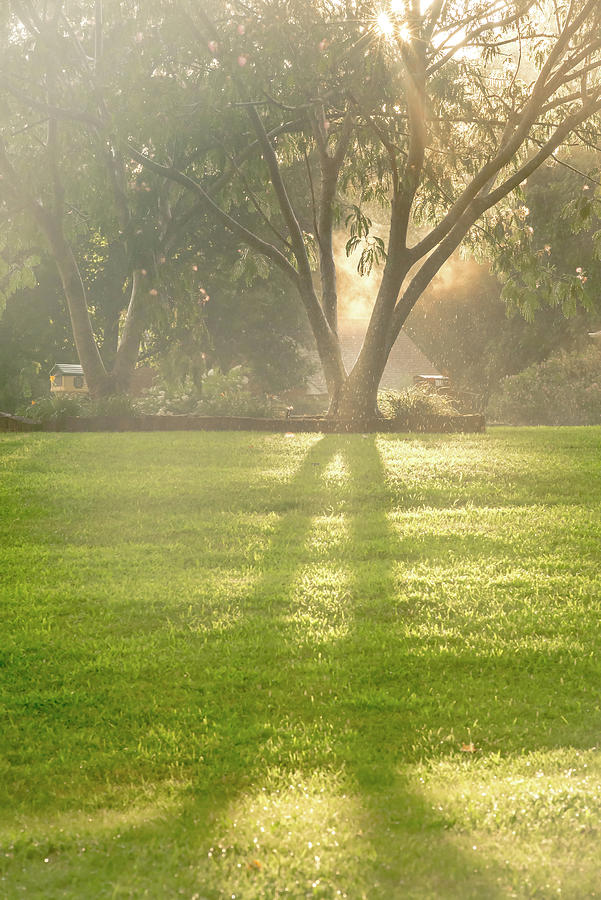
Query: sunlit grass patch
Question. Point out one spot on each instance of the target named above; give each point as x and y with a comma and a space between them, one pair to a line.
329, 535
320, 603
386, 636
294, 836
336, 472
535, 816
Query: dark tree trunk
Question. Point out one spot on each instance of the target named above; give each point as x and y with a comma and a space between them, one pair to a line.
129, 345
75, 295
101, 383
357, 398
110, 342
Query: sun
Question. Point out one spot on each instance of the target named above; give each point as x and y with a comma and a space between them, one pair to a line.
385, 25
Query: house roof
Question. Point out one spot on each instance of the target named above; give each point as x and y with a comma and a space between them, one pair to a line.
67, 369
405, 359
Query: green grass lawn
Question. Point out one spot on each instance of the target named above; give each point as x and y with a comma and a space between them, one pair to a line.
249, 665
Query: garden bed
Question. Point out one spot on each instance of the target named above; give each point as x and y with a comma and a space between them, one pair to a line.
301, 424
17, 423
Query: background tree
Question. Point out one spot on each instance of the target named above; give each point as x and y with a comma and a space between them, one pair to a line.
34, 334
467, 327
243, 315
76, 80
65, 81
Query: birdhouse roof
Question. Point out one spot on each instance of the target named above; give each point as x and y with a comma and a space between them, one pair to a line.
432, 378
66, 369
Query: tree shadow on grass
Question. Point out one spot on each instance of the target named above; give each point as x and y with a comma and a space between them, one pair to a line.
321, 675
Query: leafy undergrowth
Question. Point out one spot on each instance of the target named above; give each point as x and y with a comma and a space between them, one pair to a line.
256, 666
414, 402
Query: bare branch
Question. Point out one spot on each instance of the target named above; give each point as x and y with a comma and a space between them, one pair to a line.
473, 34
294, 229
54, 111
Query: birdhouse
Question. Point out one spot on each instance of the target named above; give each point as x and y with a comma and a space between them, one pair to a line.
66, 378
439, 383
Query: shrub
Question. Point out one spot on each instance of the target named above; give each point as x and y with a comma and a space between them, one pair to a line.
414, 402
563, 390
48, 409
117, 405
59, 406
219, 394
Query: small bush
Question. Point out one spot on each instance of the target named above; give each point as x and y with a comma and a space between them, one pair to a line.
220, 394
59, 406
413, 403
117, 405
563, 390
49, 409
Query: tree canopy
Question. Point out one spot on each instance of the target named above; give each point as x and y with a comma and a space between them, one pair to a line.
281, 121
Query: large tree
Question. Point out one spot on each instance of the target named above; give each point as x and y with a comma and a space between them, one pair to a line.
439, 110
76, 78
279, 121
57, 145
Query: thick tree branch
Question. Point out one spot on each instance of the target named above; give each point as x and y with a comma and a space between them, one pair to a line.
54, 111
290, 218
255, 202
469, 217
329, 171
254, 241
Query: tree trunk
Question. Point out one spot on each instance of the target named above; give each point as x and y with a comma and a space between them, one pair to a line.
111, 336
83, 335
326, 340
357, 399
356, 403
100, 382
129, 345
